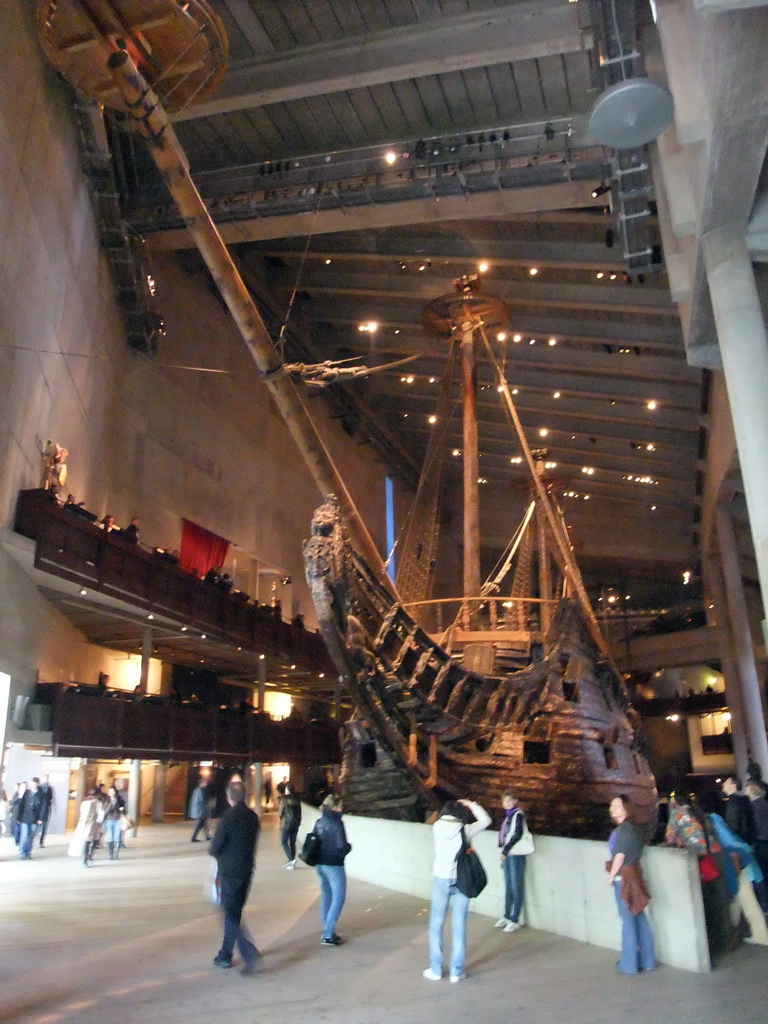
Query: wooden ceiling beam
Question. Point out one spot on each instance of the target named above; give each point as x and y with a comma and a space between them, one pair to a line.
497, 204
524, 31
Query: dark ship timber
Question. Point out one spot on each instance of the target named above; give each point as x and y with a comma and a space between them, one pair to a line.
517, 692
559, 731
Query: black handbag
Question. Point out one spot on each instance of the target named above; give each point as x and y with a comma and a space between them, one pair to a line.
471, 878
310, 850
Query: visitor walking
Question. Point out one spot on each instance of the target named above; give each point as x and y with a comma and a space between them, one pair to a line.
234, 847
87, 829
333, 849
289, 812
200, 810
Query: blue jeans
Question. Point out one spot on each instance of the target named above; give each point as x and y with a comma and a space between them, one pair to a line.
234, 893
288, 841
636, 938
112, 830
333, 892
514, 886
28, 833
444, 892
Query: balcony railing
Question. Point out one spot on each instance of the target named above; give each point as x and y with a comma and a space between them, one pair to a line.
111, 724
69, 546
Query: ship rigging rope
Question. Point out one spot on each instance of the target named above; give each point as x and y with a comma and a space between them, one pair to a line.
420, 527
561, 540
501, 568
280, 344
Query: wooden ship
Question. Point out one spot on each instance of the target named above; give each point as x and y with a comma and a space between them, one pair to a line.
464, 697
488, 691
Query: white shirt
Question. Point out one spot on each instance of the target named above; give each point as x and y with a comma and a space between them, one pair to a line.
446, 834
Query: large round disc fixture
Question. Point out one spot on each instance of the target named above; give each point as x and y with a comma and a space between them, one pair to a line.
468, 303
179, 46
631, 113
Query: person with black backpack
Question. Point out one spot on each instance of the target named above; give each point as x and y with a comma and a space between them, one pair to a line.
289, 812
459, 820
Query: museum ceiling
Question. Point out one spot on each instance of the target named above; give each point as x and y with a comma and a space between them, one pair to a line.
361, 155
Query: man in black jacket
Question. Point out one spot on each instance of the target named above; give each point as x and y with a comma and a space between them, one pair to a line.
46, 792
738, 810
234, 847
30, 817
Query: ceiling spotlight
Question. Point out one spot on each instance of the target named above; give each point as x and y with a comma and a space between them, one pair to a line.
556, 394
552, 342
203, 636
600, 190
543, 431
390, 157
533, 271
517, 337
432, 419
327, 262
482, 268
403, 265
83, 592
455, 452
652, 404
183, 629
150, 616
600, 275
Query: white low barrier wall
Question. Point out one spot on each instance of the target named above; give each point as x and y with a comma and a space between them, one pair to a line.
566, 887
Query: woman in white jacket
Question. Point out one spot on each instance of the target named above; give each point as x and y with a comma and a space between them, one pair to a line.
446, 834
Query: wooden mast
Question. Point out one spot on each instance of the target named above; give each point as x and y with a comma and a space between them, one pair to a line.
152, 122
471, 462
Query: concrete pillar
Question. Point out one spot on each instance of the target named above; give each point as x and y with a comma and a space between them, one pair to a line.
714, 581
262, 670
744, 350
257, 785
743, 646
79, 787
134, 794
158, 793
146, 654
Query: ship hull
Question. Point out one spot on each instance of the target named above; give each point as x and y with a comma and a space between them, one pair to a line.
558, 732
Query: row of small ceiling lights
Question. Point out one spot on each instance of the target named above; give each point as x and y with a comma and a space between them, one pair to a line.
371, 326
651, 404
203, 636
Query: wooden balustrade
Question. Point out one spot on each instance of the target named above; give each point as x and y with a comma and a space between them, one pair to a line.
109, 724
69, 546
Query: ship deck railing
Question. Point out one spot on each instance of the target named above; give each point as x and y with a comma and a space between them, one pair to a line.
498, 620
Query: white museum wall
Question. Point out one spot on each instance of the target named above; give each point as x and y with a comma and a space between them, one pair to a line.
566, 884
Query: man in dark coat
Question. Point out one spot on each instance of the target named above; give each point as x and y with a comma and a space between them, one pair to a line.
234, 847
46, 792
30, 817
738, 811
